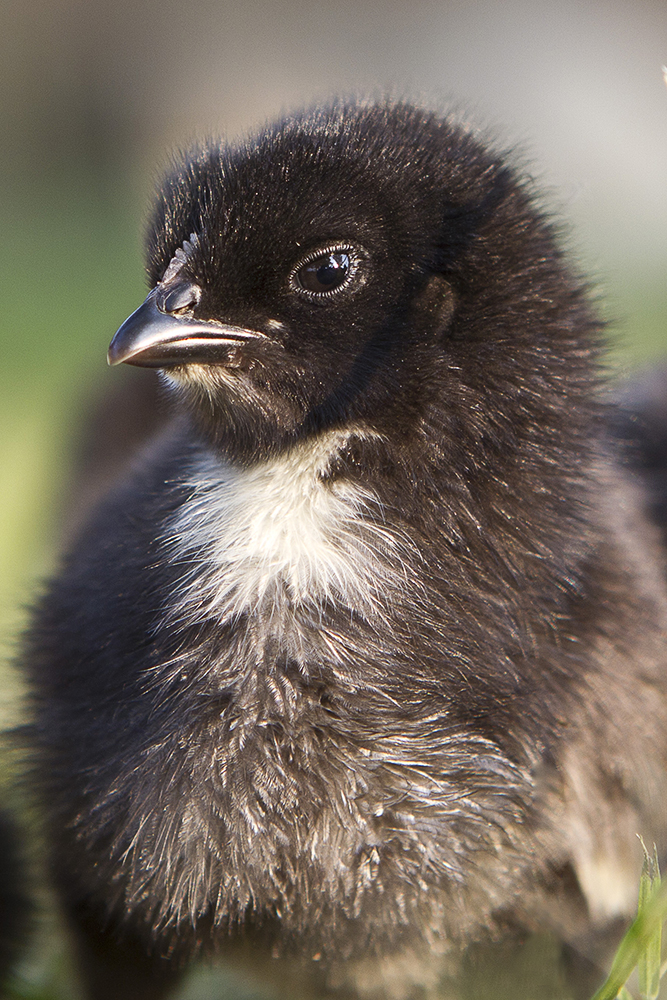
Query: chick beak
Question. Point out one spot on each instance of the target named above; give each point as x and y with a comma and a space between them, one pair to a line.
162, 332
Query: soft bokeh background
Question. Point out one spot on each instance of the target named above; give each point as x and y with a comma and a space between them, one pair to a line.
94, 94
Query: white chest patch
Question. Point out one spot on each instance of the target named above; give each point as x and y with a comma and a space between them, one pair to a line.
281, 531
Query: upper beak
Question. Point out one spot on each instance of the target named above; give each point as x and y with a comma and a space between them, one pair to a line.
153, 337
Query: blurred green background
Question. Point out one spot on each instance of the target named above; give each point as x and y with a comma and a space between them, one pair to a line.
94, 95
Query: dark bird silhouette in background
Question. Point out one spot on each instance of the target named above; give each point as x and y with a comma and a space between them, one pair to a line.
640, 423
365, 658
16, 910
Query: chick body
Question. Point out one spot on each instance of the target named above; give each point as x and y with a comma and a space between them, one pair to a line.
365, 658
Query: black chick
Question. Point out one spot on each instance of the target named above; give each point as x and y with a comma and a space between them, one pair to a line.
365, 659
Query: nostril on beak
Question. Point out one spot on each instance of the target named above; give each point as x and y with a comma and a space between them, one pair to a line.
178, 298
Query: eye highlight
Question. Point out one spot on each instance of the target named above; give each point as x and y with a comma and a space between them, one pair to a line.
325, 273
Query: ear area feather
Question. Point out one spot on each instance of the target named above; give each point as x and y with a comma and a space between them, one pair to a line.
434, 308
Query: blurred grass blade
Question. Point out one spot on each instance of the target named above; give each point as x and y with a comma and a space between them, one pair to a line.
648, 966
641, 932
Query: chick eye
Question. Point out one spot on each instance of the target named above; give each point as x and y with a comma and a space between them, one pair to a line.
325, 273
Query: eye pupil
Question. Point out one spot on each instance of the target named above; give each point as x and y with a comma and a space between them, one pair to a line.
325, 273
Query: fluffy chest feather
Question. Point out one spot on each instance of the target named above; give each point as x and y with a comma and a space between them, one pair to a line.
320, 774
281, 536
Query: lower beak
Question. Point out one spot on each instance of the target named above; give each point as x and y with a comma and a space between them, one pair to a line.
151, 338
